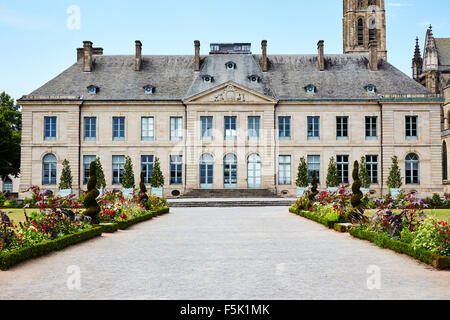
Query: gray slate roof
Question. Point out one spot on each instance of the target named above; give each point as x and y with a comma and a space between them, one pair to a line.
443, 48
174, 78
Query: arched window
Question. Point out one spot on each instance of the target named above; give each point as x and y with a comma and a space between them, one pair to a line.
372, 31
49, 170
254, 171
360, 32
444, 161
412, 169
7, 186
230, 171
360, 3
206, 171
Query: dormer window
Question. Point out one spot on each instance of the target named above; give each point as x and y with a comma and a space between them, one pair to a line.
230, 65
148, 89
93, 89
310, 89
207, 79
254, 79
371, 89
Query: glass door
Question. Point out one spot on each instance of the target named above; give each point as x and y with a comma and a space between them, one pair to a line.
206, 171
254, 171
230, 171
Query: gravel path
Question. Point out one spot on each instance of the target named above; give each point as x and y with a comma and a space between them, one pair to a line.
225, 253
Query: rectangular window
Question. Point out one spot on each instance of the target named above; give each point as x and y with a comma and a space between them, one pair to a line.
147, 129
343, 168
176, 169
147, 167
314, 165
372, 168
313, 128
284, 170
206, 128
118, 128
90, 128
86, 166
371, 128
411, 127
254, 124
230, 128
118, 164
50, 128
284, 128
176, 128
342, 128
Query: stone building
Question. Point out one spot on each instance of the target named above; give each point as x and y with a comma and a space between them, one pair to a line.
233, 119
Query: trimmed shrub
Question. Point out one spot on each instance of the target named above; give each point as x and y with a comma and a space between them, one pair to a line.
302, 174
332, 175
314, 185
157, 179
394, 180
90, 200
101, 182
66, 176
364, 174
128, 175
143, 197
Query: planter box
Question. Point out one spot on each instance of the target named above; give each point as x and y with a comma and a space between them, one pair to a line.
343, 227
127, 193
428, 257
159, 192
395, 193
332, 190
301, 191
65, 192
365, 190
12, 258
100, 193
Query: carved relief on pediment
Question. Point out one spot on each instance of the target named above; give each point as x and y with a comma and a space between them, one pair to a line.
230, 94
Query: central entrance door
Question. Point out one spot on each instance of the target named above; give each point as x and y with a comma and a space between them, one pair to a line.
230, 171
254, 171
206, 171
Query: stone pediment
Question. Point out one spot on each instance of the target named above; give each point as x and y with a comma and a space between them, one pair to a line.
230, 93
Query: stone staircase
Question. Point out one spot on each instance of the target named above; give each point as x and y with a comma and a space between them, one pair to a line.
229, 194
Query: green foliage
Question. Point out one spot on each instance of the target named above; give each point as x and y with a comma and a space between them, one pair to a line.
357, 211
90, 200
157, 179
2, 199
395, 178
302, 174
143, 197
406, 235
10, 133
332, 175
101, 182
128, 175
364, 174
314, 185
66, 176
436, 200
426, 236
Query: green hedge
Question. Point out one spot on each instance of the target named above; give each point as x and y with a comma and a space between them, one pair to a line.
313, 216
126, 224
108, 228
431, 258
12, 258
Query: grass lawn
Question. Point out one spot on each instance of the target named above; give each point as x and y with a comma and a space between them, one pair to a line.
438, 214
17, 215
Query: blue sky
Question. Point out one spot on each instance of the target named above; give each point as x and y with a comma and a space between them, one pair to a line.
37, 45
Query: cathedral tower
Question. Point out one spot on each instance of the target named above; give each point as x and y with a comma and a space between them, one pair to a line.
364, 21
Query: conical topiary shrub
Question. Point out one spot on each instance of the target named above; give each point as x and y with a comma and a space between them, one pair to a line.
332, 175
157, 179
90, 202
302, 174
314, 186
143, 198
101, 182
395, 177
66, 176
356, 214
128, 175
364, 174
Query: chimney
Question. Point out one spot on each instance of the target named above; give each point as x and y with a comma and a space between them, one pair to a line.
320, 56
264, 61
197, 55
138, 60
87, 56
95, 51
373, 55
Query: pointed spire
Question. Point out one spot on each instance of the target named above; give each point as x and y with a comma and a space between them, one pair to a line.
417, 54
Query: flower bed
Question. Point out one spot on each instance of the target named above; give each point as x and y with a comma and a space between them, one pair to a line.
11, 258
312, 215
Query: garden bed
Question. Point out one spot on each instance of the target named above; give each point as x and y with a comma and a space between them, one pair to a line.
123, 225
12, 258
315, 217
426, 256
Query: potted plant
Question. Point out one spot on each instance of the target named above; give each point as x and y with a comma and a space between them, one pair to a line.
101, 182
128, 179
394, 180
364, 176
332, 176
302, 178
157, 180
65, 185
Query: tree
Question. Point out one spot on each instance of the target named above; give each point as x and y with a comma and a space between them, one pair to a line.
332, 175
90, 200
357, 211
10, 133
364, 174
395, 177
157, 179
66, 176
128, 174
314, 185
143, 198
101, 182
302, 174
